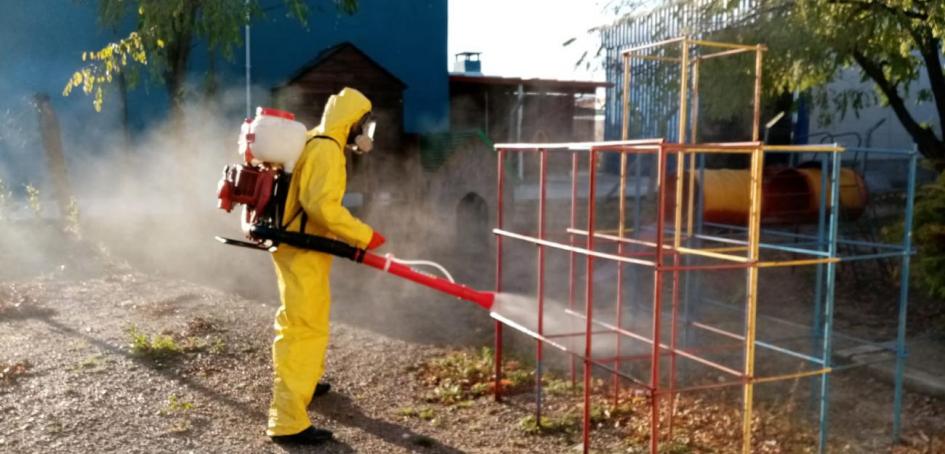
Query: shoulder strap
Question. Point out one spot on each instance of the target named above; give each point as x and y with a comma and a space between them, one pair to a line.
301, 211
322, 137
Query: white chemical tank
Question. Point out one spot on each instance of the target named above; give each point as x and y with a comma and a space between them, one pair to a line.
273, 137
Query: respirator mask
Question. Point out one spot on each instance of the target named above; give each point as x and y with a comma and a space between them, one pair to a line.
361, 138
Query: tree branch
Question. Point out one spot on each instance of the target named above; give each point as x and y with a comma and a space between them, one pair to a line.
928, 143
933, 66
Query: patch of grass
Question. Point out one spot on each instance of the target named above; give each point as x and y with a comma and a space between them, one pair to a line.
179, 409
424, 413
554, 386
550, 424
91, 363
465, 375
157, 346
177, 404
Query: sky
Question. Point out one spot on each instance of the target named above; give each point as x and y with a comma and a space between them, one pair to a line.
523, 38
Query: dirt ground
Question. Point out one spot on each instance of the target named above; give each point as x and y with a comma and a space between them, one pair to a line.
72, 380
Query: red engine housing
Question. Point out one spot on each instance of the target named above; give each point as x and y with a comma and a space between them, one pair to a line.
247, 185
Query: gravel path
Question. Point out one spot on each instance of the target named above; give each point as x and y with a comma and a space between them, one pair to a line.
86, 391
70, 381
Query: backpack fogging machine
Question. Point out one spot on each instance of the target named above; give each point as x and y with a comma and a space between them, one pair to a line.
270, 144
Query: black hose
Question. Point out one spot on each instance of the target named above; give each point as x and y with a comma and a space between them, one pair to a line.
309, 242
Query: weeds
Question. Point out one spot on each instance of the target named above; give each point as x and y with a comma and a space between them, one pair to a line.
550, 425
424, 413
11, 372
92, 363
180, 410
176, 404
465, 375
152, 347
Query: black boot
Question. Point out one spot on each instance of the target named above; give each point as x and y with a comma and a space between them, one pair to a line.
321, 389
310, 436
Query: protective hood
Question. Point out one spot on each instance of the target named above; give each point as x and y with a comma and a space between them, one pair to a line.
342, 111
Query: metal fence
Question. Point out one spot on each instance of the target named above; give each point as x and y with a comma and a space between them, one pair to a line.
669, 20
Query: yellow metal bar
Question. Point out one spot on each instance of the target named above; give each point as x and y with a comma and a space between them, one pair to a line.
653, 57
702, 42
604, 236
643, 144
725, 249
625, 121
727, 52
694, 129
683, 250
795, 375
715, 255
754, 237
656, 44
681, 138
714, 150
774, 264
756, 114
564, 247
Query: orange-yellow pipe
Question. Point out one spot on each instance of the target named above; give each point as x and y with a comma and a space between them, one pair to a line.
790, 195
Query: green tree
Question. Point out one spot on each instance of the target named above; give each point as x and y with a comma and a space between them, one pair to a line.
891, 42
165, 33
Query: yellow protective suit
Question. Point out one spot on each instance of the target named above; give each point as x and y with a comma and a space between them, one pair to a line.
318, 183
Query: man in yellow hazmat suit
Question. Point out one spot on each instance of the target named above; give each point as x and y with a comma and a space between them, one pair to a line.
313, 206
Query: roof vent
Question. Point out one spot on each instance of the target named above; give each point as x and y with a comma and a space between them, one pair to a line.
468, 62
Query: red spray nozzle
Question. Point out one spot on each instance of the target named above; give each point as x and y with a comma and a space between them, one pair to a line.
483, 299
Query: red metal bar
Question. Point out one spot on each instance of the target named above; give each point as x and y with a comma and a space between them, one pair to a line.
572, 287
500, 176
684, 353
620, 251
672, 342
657, 302
589, 300
542, 170
576, 333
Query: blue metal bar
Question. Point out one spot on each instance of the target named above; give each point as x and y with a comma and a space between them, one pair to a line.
774, 247
789, 352
893, 151
865, 244
880, 255
903, 300
817, 337
829, 290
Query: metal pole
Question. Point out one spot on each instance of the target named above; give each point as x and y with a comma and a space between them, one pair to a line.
815, 328
572, 285
828, 306
678, 215
657, 303
542, 168
754, 236
518, 128
620, 244
589, 300
249, 102
621, 222
903, 299
497, 385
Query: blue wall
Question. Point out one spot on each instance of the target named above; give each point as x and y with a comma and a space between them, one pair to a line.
41, 43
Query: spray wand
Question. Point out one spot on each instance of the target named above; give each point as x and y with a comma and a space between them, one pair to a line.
387, 263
